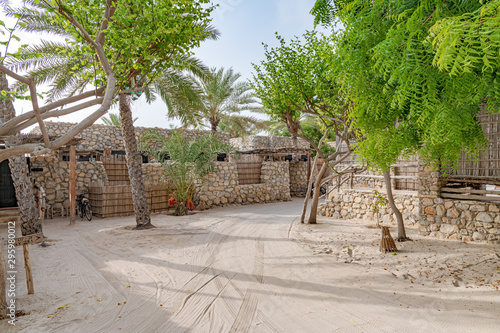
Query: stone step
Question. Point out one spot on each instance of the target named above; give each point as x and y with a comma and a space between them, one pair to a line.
9, 214
6, 219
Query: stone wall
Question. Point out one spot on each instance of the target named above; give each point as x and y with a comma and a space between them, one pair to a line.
298, 178
357, 204
152, 173
54, 176
223, 188
271, 142
100, 137
436, 217
460, 220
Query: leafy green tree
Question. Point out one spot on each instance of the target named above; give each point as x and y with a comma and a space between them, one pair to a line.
143, 39
410, 93
222, 99
391, 73
300, 79
189, 162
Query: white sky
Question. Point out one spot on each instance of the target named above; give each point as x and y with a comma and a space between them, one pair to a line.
244, 25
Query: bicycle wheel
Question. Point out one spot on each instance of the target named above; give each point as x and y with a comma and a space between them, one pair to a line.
80, 210
88, 211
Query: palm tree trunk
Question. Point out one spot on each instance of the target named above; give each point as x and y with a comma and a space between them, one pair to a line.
134, 165
26, 201
214, 124
395, 210
317, 189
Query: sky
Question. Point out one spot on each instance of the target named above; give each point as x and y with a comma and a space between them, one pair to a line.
243, 25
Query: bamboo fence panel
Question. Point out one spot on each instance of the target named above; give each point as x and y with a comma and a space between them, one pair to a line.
406, 184
116, 200
116, 169
249, 169
488, 163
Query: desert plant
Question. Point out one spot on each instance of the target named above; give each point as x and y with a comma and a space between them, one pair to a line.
186, 162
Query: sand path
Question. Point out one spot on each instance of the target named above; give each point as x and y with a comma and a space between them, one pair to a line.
232, 269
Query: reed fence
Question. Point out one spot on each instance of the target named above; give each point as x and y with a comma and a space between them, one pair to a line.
116, 200
116, 169
249, 169
487, 165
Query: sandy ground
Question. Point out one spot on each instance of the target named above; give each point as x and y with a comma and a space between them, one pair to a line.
253, 269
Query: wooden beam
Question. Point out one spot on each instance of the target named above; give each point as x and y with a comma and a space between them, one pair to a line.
470, 197
477, 180
27, 266
72, 186
468, 191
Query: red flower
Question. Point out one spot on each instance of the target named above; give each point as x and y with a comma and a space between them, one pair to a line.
172, 202
190, 205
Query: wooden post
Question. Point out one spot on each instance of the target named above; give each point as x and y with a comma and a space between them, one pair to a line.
308, 166
72, 185
25, 241
27, 266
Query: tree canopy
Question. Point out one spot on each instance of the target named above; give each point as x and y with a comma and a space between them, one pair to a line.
120, 45
222, 99
301, 79
414, 85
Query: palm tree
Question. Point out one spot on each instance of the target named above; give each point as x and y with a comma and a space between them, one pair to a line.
222, 99
114, 120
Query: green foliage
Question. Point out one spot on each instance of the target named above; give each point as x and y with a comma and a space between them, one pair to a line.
143, 38
114, 120
299, 86
188, 163
223, 99
402, 103
380, 201
297, 77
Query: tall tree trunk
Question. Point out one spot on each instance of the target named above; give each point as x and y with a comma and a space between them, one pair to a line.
134, 165
317, 189
28, 213
26, 201
395, 210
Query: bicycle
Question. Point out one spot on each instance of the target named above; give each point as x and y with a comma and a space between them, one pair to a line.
83, 206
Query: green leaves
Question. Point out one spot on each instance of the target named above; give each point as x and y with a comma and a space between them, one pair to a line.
186, 162
416, 72
141, 38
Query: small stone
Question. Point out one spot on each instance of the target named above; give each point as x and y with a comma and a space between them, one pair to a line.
453, 213
430, 211
449, 229
494, 208
477, 208
478, 236
427, 202
440, 210
484, 217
